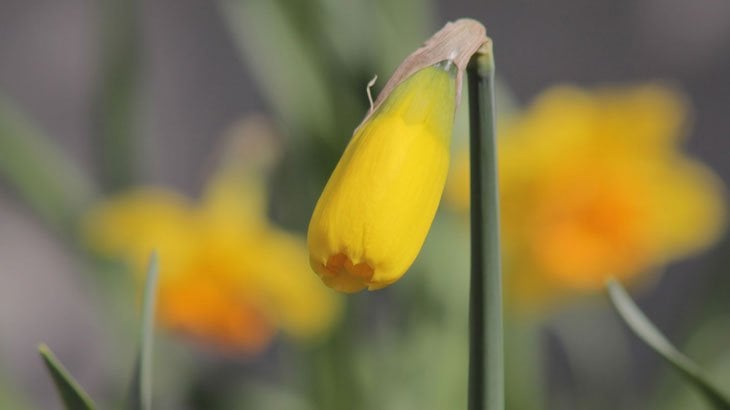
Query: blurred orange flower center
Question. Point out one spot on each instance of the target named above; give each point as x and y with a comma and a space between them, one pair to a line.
589, 229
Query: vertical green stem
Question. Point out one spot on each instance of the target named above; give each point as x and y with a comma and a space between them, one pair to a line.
486, 360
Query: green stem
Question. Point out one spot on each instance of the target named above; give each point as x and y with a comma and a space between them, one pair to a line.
486, 359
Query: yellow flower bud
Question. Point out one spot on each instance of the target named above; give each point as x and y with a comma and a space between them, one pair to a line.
377, 207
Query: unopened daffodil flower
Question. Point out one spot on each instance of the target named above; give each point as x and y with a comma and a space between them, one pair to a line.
377, 207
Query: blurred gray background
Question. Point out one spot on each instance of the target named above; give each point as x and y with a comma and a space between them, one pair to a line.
194, 85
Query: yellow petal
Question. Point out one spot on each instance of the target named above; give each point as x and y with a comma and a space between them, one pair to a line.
235, 200
298, 302
374, 214
690, 209
138, 222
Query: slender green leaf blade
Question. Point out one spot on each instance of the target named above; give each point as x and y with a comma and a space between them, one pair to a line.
270, 43
74, 397
646, 331
141, 395
39, 172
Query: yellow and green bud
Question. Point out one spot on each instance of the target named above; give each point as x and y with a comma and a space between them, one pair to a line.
377, 207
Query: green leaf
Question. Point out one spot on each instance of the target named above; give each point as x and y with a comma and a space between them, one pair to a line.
141, 395
73, 396
646, 331
282, 62
39, 171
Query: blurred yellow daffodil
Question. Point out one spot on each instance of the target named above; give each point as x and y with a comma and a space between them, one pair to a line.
227, 275
593, 183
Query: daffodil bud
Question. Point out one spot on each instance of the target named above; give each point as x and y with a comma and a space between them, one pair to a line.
377, 207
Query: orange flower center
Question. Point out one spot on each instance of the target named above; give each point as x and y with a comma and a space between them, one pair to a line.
589, 232
340, 273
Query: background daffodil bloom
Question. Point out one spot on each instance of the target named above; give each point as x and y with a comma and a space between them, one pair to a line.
593, 183
228, 277
376, 209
